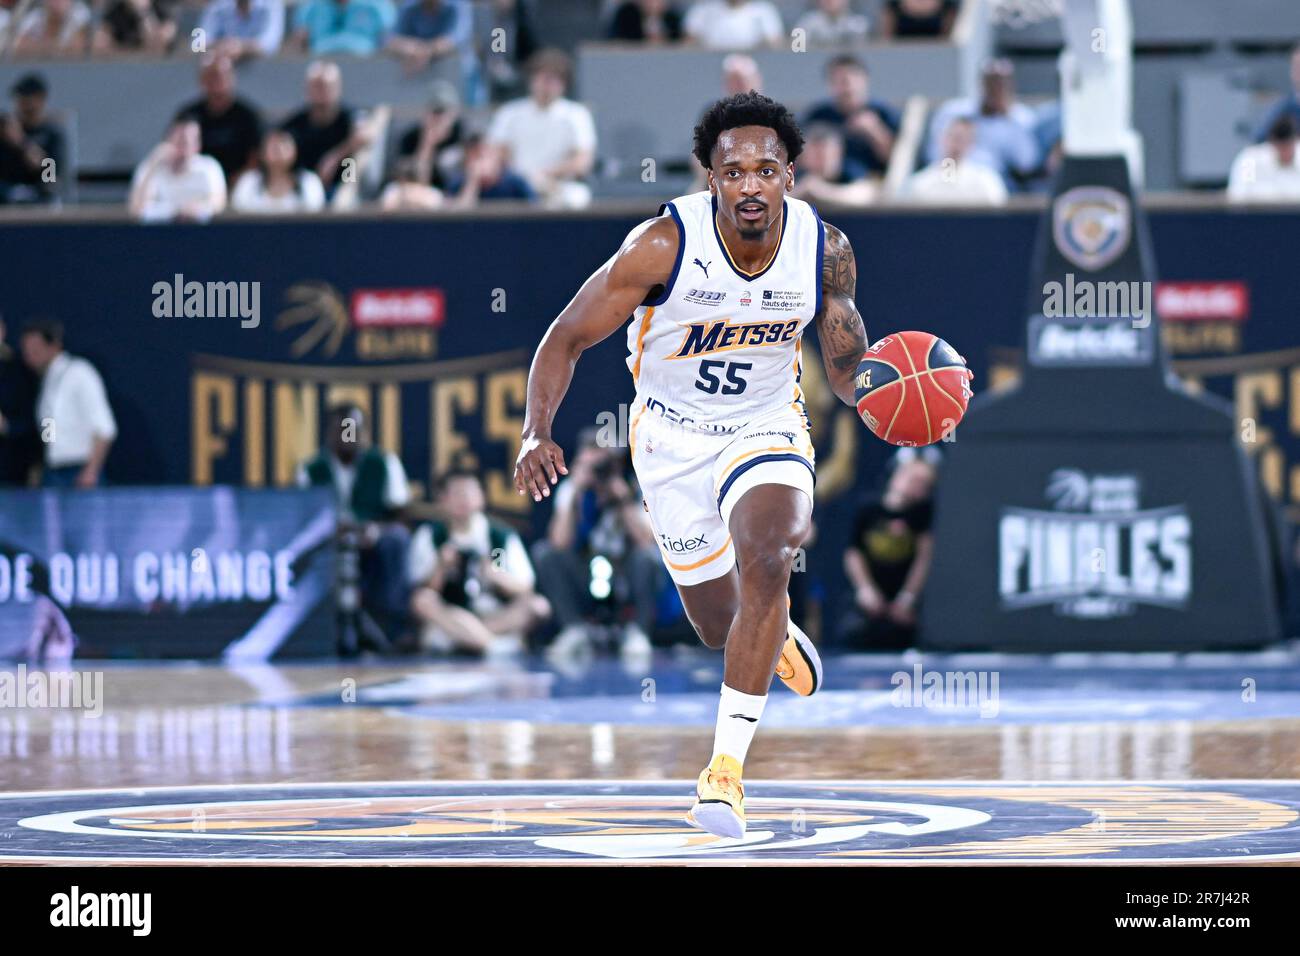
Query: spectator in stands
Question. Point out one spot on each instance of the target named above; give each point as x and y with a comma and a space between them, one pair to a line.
175, 182
869, 125
474, 587
1287, 105
1004, 129
31, 145
599, 553
888, 559
56, 28
231, 129
487, 176
20, 444
371, 492
1268, 172
134, 26
72, 412
325, 130
435, 144
429, 30
956, 178
823, 174
408, 191
647, 21
832, 23
277, 185
342, 26
740, 74
505, 41
549, 140
904, 19
735, 24
242, 29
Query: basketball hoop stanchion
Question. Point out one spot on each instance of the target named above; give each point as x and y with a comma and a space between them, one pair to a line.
1098, 505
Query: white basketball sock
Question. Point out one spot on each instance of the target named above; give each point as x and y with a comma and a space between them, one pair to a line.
738, 716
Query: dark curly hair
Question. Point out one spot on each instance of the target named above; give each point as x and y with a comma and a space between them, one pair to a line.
746, 109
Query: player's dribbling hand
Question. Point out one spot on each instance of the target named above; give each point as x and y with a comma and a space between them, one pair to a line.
540, 464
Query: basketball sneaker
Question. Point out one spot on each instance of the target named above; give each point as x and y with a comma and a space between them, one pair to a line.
719, 799
800, 666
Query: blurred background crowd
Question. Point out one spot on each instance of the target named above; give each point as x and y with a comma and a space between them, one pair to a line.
490, 104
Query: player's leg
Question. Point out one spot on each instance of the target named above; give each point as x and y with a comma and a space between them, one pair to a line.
711, 607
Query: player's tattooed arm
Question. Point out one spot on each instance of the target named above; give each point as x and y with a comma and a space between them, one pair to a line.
840, 330
643, 263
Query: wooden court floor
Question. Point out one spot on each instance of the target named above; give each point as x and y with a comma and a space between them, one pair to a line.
419, 762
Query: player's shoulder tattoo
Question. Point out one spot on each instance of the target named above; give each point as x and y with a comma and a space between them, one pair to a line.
839, 268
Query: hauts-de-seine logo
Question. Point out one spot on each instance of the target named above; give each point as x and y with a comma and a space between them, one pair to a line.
601, 820
1096, 553
1091, 225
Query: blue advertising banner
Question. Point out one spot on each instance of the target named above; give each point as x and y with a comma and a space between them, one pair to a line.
166, 572
222, 345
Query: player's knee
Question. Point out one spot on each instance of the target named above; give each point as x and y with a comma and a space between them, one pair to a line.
712, 627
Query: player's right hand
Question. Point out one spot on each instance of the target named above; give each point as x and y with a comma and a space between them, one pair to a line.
539, 466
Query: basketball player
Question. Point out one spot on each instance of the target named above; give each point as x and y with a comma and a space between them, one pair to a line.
720, 286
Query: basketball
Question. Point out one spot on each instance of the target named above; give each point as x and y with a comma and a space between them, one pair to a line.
912, 388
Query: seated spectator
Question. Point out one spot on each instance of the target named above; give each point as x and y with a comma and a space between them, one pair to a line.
408, 191
823, 174
1286, 105
735, 25
549, 140
435, 144
241, 29
371, 492
342, 26
906, 19
474, 587
832, 23
31, 146
647, 21
888, 559
325, 130
429, 30
504, 41
175, 183
277, 185
231, 128
134, 26
1268, 172
486, 176
956, 178
1004, 129
599, 560
55, 28
740, 74
869, 125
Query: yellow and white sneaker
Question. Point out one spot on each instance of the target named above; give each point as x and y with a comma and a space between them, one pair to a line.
720, 799
800, 666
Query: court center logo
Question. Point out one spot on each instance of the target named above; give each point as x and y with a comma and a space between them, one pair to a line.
601, 820
1096, 554
1091, 225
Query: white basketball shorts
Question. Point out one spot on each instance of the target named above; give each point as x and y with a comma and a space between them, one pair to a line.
691, 480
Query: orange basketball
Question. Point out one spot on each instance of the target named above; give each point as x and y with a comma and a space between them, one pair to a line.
912, 388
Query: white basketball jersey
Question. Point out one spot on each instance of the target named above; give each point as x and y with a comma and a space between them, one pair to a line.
719, 346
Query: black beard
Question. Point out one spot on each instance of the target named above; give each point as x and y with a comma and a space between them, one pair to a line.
751, 232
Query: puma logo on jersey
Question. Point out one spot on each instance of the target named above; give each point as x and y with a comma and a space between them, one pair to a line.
704, 266
720, 335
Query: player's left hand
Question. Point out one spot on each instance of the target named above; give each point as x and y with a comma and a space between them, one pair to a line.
540, 463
